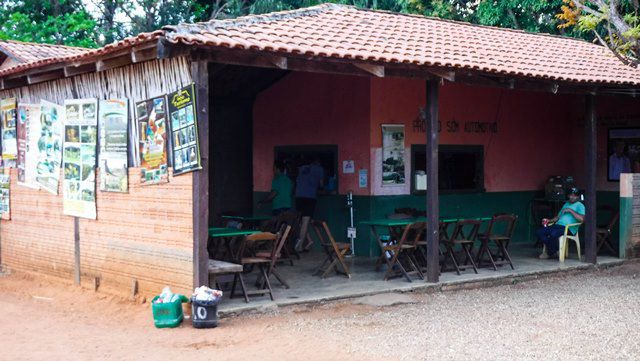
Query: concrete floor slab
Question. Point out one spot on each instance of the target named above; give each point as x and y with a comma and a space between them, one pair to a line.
365, 281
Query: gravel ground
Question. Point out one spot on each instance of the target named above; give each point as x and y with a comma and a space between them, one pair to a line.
589, 316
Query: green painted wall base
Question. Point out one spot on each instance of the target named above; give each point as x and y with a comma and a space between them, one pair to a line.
332, 208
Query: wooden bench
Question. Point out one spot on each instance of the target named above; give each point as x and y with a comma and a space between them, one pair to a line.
217, 267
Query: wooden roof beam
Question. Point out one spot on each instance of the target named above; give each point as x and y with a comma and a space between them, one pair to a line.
376, 70
139, 56
72, 70
448, 75
15, 82
243, 59
106, 64
42, 77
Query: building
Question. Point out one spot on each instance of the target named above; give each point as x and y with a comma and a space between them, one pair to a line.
515, 107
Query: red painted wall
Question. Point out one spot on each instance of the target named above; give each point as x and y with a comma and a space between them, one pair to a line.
539, 134
531, 142
307, 109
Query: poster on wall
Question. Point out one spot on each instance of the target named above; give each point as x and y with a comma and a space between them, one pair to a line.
184, 131
152, 126
29, 127
5, 178
21, 134
79, 158
50, 140
9, 134
392, 154
113, 123
623, 152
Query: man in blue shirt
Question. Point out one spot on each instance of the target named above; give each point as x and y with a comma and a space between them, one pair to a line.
618, 162
572, 212
310, 180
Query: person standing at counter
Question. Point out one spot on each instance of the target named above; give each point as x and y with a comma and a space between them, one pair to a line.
618, 162
309, 181
281, 191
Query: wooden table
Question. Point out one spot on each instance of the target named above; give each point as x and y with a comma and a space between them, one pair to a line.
395, 227
248, 221
218, 267
225, 237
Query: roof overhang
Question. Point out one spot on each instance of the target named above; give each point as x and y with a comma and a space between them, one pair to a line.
158, 47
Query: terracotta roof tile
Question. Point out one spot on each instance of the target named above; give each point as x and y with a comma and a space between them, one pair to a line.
340, 31
23, 52
85, 54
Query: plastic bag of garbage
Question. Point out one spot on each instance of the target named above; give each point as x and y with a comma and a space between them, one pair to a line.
206, 296
166, 296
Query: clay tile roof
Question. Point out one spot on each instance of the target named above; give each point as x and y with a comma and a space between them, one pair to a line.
77, 54
23, 52
340, 31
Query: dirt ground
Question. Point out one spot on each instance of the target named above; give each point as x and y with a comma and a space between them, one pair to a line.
593, 315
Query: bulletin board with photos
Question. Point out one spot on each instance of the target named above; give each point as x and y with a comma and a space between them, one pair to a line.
42, 138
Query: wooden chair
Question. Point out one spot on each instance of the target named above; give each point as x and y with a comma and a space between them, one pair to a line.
275, 253
250, 261
500, 231
604, 232
464, 234
334, 251
404, 251
290, 218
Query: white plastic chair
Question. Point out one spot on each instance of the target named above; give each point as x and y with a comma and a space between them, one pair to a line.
563, 251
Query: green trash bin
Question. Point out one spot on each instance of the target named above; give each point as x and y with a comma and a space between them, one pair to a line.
168, 314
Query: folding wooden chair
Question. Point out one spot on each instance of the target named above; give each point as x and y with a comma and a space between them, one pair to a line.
604, 232
464, 234
404, 252
335, 251
263, 265
275, 253
499, 231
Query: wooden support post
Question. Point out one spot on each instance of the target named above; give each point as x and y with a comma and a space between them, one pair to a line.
590, 196
76, 248
200, 76
433, 207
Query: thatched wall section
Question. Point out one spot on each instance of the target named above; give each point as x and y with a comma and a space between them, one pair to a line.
144, 235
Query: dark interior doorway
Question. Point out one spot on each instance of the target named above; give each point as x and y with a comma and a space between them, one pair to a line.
232, 95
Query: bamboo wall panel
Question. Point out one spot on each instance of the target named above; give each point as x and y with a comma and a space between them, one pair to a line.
38, 237
145, 235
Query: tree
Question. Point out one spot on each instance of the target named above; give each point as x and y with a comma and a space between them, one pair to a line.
54, 22
529, 15
150, 15
614, 23
109, 29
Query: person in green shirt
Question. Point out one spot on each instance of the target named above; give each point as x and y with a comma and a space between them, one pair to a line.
572, 212
281, 195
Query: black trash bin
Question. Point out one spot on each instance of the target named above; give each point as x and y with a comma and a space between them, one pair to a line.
204, 314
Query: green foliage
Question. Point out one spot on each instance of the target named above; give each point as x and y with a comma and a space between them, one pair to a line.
52, 22
589, 22
68, 22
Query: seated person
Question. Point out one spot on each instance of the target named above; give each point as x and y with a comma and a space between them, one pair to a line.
572, 212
